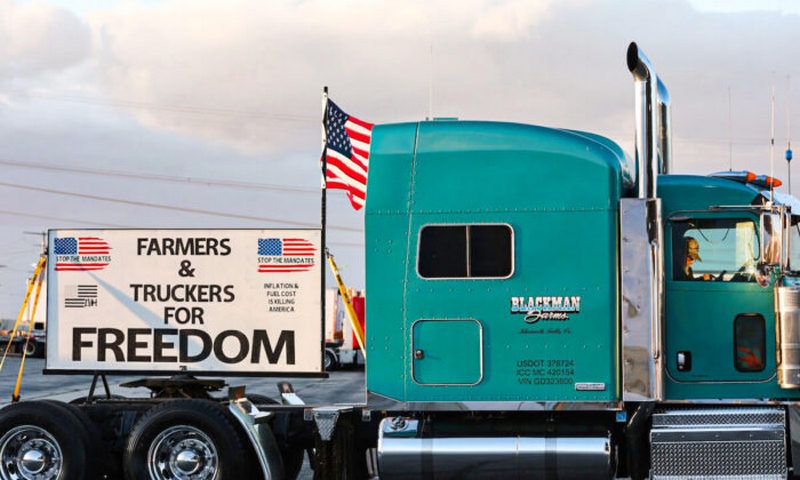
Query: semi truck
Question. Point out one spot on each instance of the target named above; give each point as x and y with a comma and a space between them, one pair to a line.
341, 345
542, 305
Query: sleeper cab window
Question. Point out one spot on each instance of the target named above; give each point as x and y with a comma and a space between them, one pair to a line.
466, 251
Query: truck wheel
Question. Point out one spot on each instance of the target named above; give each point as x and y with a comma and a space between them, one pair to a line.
39, 441
90, 435
34, 349
331, 362
185, 439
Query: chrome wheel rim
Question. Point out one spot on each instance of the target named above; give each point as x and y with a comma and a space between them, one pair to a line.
182, 452
28, 452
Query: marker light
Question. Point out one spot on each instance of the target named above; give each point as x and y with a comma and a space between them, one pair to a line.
740, 176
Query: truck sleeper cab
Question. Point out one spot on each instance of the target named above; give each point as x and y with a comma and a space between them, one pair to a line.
560, 292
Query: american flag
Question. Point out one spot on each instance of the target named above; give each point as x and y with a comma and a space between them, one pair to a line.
80, 296
286, 255
347, 153
83, 246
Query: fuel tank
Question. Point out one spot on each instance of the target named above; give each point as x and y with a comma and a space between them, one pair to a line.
405, 453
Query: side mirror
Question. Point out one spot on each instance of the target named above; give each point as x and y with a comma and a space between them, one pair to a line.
771, 239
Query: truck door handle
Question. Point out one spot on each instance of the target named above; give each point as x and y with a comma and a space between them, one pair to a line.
419, 354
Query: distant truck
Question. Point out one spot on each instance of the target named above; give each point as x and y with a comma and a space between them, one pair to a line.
541, 305
35, 347
341, 345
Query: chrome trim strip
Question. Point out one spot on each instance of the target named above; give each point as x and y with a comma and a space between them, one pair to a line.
377, 401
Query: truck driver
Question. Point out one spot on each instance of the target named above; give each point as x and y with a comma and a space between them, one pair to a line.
692, 255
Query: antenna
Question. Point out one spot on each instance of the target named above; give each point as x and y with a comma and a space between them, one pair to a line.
772, 142
789, 131
730, 132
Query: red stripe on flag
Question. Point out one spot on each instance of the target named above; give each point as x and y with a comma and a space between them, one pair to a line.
363, 153
357, 135
347, 170
361, 123
335, 182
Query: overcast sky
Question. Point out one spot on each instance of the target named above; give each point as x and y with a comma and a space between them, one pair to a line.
192, 90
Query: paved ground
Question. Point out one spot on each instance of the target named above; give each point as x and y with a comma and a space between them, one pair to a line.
345, 386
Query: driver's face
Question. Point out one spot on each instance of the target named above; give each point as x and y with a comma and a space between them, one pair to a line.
693, 249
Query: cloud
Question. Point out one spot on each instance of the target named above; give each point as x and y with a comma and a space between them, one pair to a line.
36, 38
253, 70
247, 73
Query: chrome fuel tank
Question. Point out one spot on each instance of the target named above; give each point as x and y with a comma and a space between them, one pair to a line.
403, 453
787, 313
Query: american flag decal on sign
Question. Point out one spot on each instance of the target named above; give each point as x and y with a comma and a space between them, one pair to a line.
347, 153
285, 255
81, 253
80, 296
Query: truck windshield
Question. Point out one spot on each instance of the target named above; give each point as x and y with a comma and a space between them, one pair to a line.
720, 249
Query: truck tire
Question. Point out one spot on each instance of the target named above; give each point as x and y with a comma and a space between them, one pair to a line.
331, 362
90, 436
43, 440
34, 349
186, 439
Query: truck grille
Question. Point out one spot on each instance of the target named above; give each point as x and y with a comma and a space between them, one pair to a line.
719, 443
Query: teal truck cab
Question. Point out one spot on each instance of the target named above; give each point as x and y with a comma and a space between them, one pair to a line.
543, 305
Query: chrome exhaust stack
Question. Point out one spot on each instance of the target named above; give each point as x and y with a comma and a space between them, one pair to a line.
653, 125
641, 259
664, 130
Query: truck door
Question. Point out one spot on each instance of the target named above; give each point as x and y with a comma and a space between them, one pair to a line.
719, 320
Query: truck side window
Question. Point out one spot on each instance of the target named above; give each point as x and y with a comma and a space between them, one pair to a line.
749, 343
465, 251
718, 249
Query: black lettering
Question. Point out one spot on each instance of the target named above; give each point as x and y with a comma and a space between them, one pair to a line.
244, 346
159, 345
261, 341
141, 244
136, 287
226, 249
229, 294
168, 246
134, 345
149, 293
211, 246
183, 348
103, 344
78, 343
153, 247
214, 293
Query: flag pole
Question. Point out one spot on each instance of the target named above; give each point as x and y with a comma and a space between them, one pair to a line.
323, 221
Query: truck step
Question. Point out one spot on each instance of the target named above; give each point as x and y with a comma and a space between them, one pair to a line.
719, 443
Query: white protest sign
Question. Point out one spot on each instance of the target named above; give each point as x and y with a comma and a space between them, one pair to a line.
211, 301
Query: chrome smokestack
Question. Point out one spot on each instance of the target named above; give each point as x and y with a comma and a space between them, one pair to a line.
653, 147
664, 130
